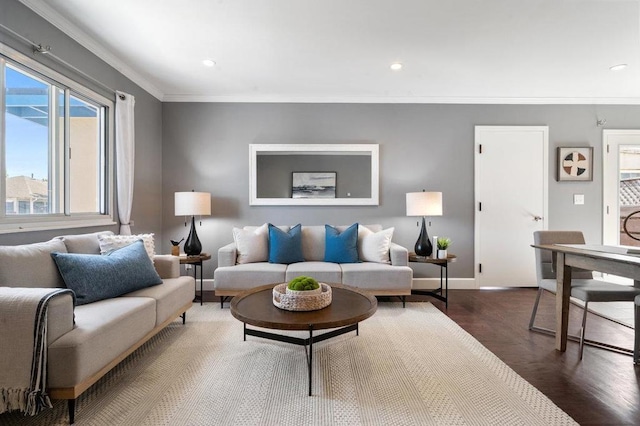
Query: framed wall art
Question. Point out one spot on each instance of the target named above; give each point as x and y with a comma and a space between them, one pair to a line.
313, 185
575, 164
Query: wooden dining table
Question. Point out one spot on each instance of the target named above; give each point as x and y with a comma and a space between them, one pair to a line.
615, 260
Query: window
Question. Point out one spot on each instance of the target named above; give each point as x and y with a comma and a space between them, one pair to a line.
54, 149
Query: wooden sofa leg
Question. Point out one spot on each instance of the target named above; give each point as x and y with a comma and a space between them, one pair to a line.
184, 317
72, 410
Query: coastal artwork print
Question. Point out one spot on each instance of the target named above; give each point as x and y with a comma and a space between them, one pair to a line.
575, 164
313, 185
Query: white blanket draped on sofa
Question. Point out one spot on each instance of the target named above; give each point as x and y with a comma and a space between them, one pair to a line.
23, 358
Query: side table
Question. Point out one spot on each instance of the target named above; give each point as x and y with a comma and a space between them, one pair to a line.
196, 260
444, 273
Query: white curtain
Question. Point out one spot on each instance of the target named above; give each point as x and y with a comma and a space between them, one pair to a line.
125, 158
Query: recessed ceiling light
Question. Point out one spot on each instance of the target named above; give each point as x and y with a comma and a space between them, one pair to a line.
618, 67
396, 66
208, 63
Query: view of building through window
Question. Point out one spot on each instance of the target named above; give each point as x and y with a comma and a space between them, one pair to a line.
629, 194
53, 163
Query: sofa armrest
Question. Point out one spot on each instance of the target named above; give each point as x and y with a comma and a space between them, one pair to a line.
227, 255
398, 255
166, 265
59, 312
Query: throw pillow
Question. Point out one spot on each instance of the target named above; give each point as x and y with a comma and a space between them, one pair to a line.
285, 247
341, 247
93, 277
374, 246
112, 242
252, 245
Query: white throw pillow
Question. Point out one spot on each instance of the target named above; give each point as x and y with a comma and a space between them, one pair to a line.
374, 246
252, 244
111, 242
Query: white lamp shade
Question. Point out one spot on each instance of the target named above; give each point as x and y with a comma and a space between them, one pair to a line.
424, 203
192, 203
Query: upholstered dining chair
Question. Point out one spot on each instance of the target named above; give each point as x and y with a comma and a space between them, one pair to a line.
583, 286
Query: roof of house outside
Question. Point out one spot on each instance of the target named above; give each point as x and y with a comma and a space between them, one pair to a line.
630, 192
26, 188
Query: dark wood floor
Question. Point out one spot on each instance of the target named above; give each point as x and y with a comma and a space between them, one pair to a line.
602, 389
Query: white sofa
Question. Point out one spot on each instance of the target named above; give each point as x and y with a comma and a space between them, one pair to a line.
86, 341
392, 277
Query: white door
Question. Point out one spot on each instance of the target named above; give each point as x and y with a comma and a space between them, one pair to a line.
620, 171
511, 179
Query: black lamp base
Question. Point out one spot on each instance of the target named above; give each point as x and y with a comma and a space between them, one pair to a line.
423, 245
192, 246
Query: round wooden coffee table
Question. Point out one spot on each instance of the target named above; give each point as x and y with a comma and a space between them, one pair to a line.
349, 306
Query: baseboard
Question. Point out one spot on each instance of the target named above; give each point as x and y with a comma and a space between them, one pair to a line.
454, 283
418, 283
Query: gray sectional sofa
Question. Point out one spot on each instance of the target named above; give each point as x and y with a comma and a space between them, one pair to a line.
383, 274
86, 341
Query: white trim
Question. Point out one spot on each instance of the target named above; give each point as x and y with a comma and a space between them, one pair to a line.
14, 228
398, 100
64, 25
454, 284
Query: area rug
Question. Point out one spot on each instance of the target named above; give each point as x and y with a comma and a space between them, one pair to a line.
411, 366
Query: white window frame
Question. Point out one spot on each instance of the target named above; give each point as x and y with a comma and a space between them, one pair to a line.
64, 220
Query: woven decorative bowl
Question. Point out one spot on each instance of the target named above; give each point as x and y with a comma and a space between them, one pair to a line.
291, 300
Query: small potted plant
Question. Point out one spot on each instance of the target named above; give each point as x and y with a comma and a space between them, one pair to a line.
443, 245
305, 284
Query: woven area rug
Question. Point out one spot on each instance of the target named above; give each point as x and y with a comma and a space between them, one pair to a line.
410, 366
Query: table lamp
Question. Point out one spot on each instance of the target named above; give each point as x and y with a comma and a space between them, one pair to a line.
192, 204
424, 204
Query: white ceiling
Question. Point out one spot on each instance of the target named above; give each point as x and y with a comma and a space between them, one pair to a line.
453, 51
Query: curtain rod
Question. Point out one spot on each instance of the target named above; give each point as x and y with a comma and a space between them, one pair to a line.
37, 48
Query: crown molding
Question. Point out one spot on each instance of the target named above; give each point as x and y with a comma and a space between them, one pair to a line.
401, 100
70, 29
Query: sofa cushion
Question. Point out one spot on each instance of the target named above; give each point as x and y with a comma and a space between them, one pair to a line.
30, 265
285, 247
378, 277
170, 296
103, 331
93, 277
249, 275
83, 243
252, 245
341, 247
109, 243
374, 246
325, 272
313, 243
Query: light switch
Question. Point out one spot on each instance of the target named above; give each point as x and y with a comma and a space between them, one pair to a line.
578, 199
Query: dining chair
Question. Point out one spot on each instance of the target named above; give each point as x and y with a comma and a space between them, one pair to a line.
583, 287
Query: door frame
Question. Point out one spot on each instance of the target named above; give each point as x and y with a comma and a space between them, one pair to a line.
610, 179
545, 182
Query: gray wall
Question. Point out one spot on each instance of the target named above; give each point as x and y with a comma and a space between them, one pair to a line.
206, 148
147, 202
274, 173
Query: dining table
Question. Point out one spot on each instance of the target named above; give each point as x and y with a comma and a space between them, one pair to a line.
622, 261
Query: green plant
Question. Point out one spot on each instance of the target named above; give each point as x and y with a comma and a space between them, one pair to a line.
303, 283
443, 243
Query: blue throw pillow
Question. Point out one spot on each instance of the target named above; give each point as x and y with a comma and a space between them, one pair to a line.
285, 247
95, 277
341, 247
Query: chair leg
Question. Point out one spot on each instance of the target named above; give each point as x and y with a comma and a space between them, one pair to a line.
636, 346
583, 329
535, 308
